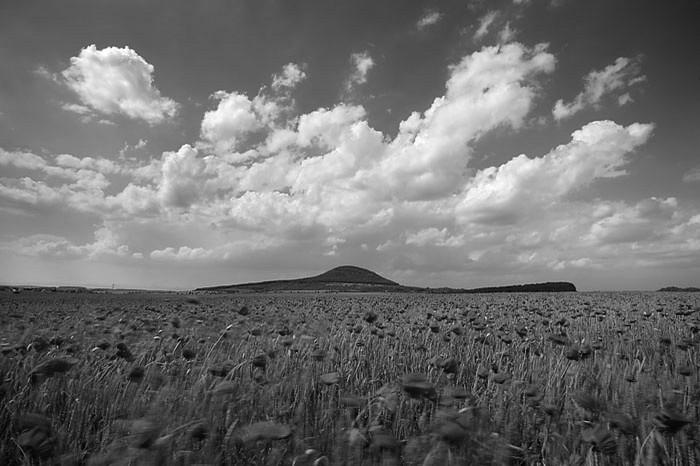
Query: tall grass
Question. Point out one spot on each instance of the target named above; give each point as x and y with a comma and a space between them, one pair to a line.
582, 378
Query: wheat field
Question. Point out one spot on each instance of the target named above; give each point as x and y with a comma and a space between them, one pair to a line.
349, 379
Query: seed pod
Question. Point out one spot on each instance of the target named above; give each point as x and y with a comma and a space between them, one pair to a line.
670, 421
416, 386
331, 378
260, 361
265, 430
136, 374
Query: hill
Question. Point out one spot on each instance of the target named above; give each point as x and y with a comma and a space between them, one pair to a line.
357, 279
343, 278
350, 274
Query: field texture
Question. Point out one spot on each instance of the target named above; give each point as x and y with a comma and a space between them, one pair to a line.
336, 379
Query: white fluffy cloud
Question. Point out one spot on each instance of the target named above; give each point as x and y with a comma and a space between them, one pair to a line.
507, 34
329, 167
646, 220
182, 176
101, 165
619, 76
362, 63
504, 194
132, 202
428, 158
116, 81
325, 127
183, 253
267, 186
234, 118
485, 23
237, 118
430, 18
81, 184
106, 246
433, 236
292, 74
20, 159
488, 89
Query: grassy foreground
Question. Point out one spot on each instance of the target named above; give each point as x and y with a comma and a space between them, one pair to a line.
336, 379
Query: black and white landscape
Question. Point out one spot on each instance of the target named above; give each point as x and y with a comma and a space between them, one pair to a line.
463, 144
358, 232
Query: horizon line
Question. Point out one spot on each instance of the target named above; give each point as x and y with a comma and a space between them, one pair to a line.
176, 289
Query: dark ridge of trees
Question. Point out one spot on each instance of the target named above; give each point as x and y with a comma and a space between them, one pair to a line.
548, 287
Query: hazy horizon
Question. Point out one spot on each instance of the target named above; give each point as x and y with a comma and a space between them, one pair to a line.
456, 143
100, 285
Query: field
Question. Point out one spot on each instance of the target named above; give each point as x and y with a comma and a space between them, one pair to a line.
336, 379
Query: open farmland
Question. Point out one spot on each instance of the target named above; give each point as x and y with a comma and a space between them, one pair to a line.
147, 378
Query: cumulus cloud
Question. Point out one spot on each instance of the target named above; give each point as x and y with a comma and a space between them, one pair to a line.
362, 63
181, 182
292, 74
116, 81
430, 18
20, 159
328, 173
234, 118
619, 76
237, 118
434, 236
128, 148
63, 165
273, 211
326, 126
67, 181
491, 88
328, 167
101, 165
28, 191
132, 201
330, 156
646, 220
243, 250
507, 34
504, 194
485, 23
80, 186
106, 246
267, 186
183, 253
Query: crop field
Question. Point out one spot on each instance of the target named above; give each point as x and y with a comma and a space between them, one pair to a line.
349, 379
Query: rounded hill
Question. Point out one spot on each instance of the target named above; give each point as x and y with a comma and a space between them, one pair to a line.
351, 274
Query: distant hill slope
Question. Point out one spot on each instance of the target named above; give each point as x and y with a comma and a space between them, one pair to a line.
343, 278
351, 278
691, 289
350, 274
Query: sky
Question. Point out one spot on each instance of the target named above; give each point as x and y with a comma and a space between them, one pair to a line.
178, 144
